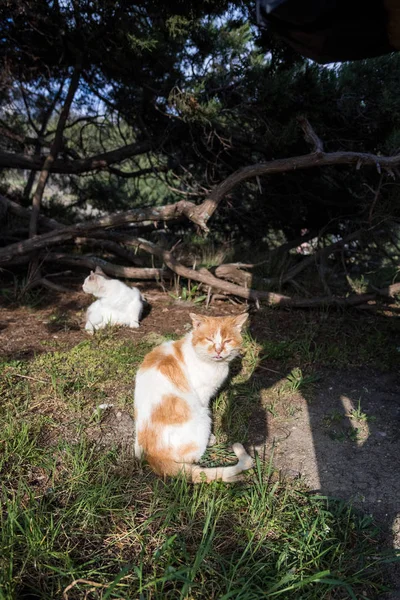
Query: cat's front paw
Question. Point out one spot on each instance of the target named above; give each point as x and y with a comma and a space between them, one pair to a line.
212, 440
134, 324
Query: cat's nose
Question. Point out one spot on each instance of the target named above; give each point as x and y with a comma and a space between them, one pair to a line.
218, 348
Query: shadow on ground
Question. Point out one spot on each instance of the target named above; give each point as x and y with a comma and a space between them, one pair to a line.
340, 432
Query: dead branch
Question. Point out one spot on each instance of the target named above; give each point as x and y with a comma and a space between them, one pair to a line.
111, 247
272, 298
25, 213
111, 269
310, 136
43, 282
204, 276
94, 585
231, 272
136, 215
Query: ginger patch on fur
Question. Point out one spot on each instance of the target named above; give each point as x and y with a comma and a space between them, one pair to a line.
168, 365
172, 410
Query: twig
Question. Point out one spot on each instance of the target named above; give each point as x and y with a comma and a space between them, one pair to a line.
376, 196
42, 281
94, 584
208, 297
60, 274
28, 377
268, 369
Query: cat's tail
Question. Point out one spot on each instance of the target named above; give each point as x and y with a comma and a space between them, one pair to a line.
229, 474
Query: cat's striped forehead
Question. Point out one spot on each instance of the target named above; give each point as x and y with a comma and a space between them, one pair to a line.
218, 329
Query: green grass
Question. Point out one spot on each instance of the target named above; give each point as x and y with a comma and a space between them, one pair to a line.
83, 517
71, 510
357, 414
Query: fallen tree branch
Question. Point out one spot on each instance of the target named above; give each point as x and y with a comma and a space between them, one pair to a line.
136, 215
44, 282
272, 298
232, 272
111, 269
25, 213
111, 247
204, 276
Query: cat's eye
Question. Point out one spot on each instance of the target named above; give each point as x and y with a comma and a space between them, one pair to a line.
227, 341
209, 340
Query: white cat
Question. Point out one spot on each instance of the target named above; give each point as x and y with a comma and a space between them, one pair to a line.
118, 304
174, 386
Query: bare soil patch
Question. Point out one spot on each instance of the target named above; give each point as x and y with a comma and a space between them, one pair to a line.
60, 318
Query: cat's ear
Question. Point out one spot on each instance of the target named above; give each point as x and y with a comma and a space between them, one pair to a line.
197, 320
91, 272
240, 320
99, 270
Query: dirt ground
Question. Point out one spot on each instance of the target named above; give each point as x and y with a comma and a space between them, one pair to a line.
325, 438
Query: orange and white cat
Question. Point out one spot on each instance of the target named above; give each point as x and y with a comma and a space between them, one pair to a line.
174, 386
